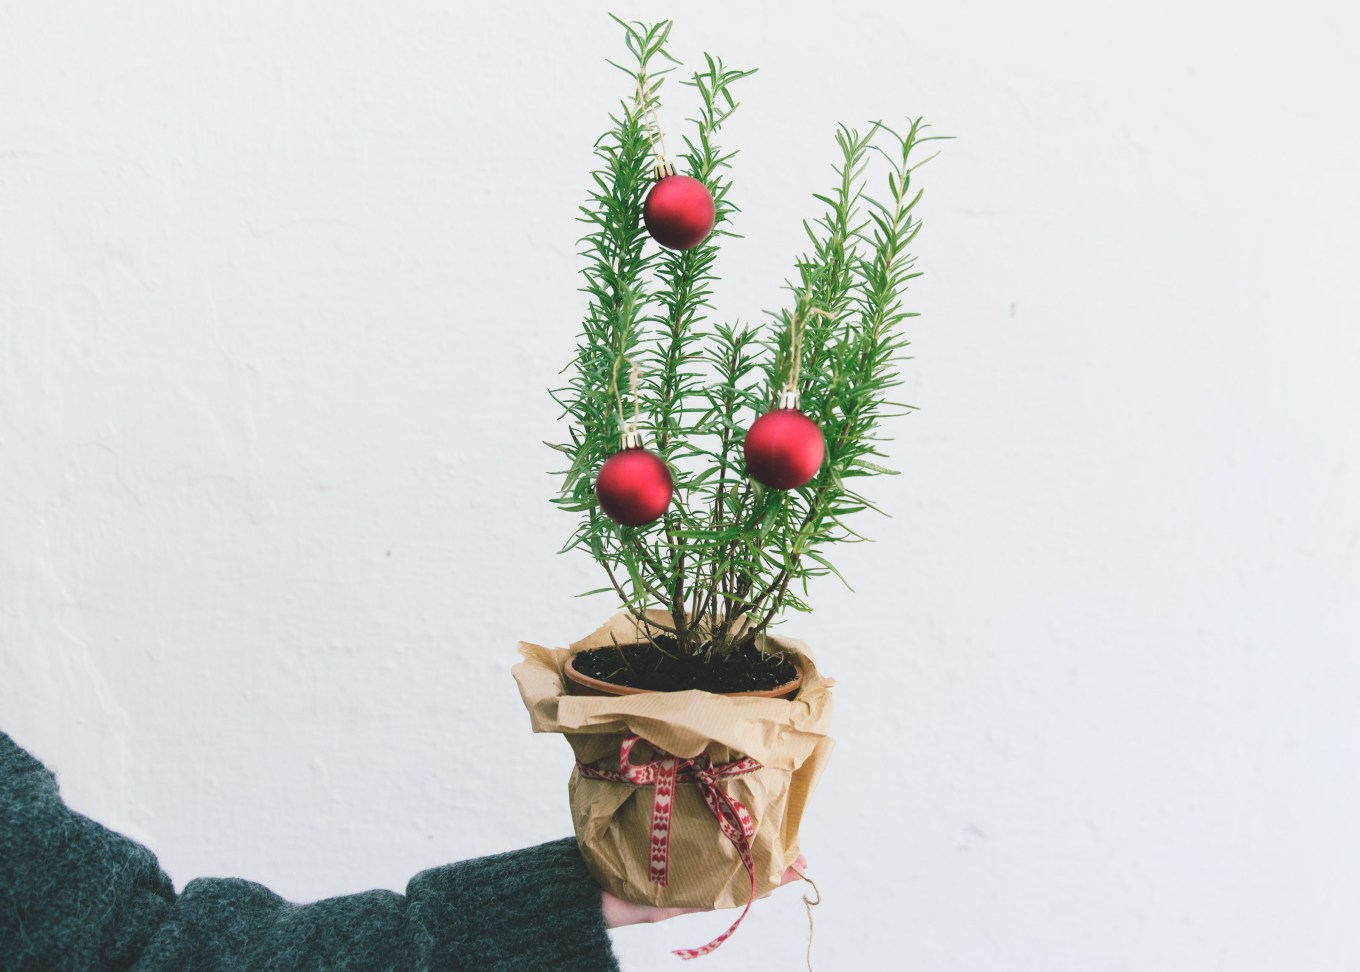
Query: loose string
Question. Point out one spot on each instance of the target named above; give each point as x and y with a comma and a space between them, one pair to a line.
809, 903
647, 106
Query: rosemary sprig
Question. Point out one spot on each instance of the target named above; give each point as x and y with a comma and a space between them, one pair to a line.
728, 548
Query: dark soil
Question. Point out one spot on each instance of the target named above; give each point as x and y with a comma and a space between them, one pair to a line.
661, 668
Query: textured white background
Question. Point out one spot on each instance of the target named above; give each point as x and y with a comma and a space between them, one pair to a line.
282, 286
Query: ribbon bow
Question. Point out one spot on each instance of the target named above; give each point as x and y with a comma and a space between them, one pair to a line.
662, 773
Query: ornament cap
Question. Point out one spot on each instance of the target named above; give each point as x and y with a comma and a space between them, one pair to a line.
663, 169
631, 439
788, 398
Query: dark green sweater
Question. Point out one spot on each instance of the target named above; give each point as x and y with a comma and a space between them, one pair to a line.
76, 896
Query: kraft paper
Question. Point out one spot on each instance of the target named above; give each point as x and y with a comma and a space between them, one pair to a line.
788, 737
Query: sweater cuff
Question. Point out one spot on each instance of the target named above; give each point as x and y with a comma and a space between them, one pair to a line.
536, 908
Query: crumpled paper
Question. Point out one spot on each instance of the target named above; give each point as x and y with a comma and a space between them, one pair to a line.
788, 737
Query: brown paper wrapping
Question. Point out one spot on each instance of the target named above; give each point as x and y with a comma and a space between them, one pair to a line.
613, 820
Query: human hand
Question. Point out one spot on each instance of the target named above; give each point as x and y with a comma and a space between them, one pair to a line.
618, 912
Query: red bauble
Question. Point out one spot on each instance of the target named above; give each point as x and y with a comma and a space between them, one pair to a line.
633, 487
679, 212
784, 449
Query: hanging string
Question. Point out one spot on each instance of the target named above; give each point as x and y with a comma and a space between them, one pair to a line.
796, 327
796, 349
627, 428
809, 903
634, 373
646, 101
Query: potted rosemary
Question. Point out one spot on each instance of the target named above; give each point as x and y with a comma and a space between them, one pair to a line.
712, 466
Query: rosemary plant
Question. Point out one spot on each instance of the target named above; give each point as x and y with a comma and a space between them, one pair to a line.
730, 555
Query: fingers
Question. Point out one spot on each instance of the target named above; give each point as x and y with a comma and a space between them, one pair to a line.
618, 913
792, 874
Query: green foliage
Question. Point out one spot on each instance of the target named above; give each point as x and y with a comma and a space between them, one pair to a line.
728, 548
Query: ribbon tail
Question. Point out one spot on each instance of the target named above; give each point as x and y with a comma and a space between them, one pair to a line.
737, 826
694, 953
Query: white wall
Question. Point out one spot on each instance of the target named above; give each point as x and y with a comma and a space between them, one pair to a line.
282, 285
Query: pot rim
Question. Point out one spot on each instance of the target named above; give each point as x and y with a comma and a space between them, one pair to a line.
786, 691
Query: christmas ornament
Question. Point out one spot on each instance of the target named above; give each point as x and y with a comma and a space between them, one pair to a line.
634, 486
784, 448
679, 210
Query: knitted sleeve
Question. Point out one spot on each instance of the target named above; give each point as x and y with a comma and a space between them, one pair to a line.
76, 896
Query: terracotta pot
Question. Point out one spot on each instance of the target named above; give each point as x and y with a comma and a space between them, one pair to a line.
579, 684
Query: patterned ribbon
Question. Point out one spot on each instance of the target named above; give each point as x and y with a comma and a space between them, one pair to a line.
662, 773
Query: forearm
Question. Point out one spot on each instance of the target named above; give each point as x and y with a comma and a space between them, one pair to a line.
529, 909
74, 895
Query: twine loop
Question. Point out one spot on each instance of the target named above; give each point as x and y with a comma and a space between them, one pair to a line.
628, 429
646, 102
796, 326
